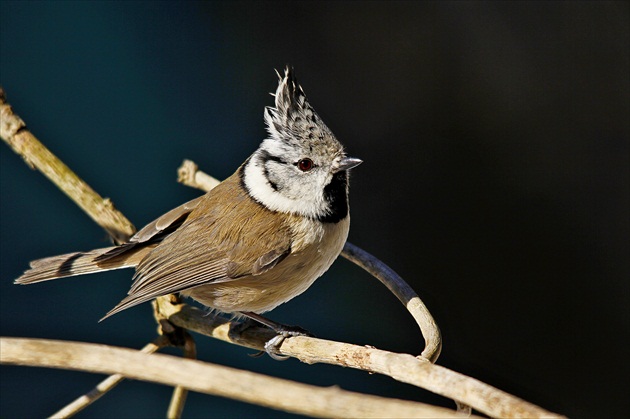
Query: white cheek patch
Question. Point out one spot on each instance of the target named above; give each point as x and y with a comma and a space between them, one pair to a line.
311, 205
275, 147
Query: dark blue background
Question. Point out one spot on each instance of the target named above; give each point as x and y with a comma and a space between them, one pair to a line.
495, 141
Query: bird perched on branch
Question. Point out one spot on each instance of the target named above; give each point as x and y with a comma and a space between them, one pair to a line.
255, 241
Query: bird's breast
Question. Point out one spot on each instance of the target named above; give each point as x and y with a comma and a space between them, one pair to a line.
315, 247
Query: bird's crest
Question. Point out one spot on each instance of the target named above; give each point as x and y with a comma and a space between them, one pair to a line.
293, 118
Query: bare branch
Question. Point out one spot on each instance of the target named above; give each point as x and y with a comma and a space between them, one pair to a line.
189, 174
14, 132
406, 295
207, 378
402, 367
104, 386
178, 400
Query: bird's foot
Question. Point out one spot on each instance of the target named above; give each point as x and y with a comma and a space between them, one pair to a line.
272, 346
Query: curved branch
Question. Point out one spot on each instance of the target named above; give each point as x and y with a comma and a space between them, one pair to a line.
190, 175
213, 379
402, 367
404, 293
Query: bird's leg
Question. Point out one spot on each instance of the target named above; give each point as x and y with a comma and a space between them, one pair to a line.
283, 332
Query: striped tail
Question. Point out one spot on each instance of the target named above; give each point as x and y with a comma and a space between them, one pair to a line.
77, 263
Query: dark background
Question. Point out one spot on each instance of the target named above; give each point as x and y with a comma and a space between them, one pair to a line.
495, 140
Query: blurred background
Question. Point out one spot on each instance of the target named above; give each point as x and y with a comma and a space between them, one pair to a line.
495, 140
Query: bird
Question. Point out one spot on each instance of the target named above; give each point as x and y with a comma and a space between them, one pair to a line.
258, 239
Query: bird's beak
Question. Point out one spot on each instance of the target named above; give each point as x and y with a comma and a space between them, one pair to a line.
348, 163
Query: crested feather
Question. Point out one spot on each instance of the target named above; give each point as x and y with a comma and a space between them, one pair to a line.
293, 120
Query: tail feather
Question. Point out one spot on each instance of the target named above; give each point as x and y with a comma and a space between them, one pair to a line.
71, 264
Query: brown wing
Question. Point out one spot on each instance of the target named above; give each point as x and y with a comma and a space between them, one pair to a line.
227, 236
171, 219
156, 230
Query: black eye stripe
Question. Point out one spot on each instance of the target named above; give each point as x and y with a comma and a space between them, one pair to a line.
273, 184
265, 156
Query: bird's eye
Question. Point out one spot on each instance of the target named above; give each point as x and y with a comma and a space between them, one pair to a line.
305, 165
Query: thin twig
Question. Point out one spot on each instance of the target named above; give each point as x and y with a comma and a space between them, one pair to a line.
213, 379
104, 386
189, 174
14, 132
178, 399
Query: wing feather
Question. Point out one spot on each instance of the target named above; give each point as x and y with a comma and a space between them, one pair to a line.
209, 246
156, 230
173, 217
